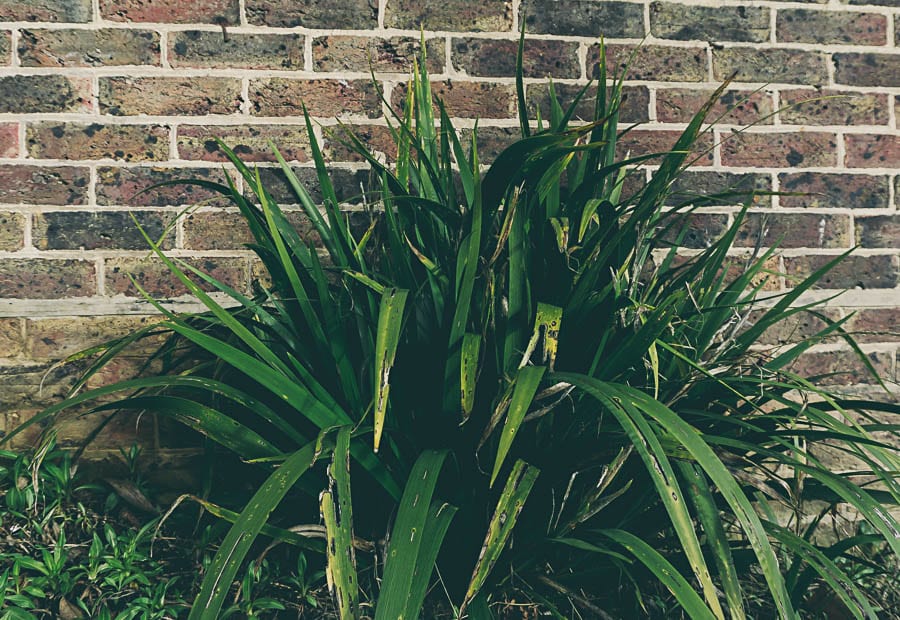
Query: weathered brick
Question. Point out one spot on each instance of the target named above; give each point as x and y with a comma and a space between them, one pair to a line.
795, 230
39, 278
638, 142
497, 58
156, 279
633, 109
11, 341
347, 14
651, 62
857, 191
878, 231
457, 15
811, 26
73, 11
5, 47
227, 230
706, 23
105, 230
9, 139
794, 328
750, 64
696, 231
166, 96
56, 185
584, 18
875, 325
56, 338
223, 12
842, 367
213, 49
377, 138
12, 231
29, 94
868, 151
781, 150
718, 188
468, 99
491, 141
54, 140
88, 48
855, 271
348, 184
120, 186
891, 3
328, 98
867, 69
249, 142
833, 107
679, 105
391, 54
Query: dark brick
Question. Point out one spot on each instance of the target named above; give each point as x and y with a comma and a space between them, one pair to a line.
719, 188
105, 230
56, 185
328, 98
39, 278
706, 23
833, 107
249, 142
12, 231
457, 15
156, 279
696, 230
891, 3
164, 96
811, 26
651, 62
491, 141
638, 142
875, 325
5, 47
794, 328
347, 14
391, 54
72, 11
679, 105
879, 231
224, 12
377, 138
750, 64
53, 140
227, 230
30, 94
497, 58
633, 109
9, 139
56, 338
469, 99
872, 151
858, 191
204, 48
878, 271
867, 69
780, 150
348, 184
842, 367
11, 341
88, 48
584, 18
120, 186
795, 230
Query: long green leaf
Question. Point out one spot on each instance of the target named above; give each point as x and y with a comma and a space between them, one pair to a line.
390, 322
526, 384
337, 513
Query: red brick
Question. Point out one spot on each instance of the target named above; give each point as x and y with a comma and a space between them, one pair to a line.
204, 48
872, 151
38, 278
457, 15
164, 96
875, 325
634, 107
105, 230
638, 142
882, 70
55, 140
249, 142
12, 231
783, 150
794, 230
498, 58
833, 107
156, 279
391, 55
679, 105
46, 11
88, 48
811, 26
172, 11
858, 191
879, 231
120, 186
50, 185
11, 341
469, 99
855, 271
346, 14
56, 338
842, 367
327, 98
651, 62
9, 139
38, 94
750, 64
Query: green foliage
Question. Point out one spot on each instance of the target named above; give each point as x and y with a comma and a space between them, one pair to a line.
530, 323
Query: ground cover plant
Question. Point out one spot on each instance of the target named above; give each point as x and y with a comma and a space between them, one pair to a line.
509, 390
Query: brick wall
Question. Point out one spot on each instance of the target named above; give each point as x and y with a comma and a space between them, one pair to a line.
99, 98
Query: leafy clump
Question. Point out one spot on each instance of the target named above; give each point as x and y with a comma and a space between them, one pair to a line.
512, 383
